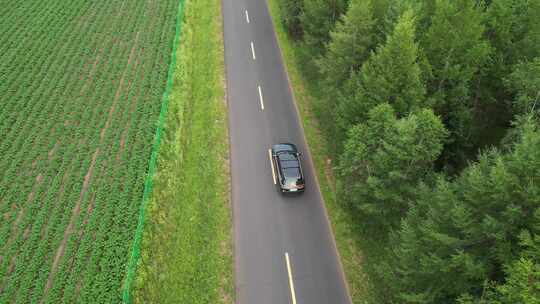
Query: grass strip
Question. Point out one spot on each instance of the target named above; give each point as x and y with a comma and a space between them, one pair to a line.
186, 252
148, 184
308, 100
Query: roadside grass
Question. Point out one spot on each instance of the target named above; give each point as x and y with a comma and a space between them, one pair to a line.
358, 245
186, 254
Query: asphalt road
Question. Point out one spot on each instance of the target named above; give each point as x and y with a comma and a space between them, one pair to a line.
284, 250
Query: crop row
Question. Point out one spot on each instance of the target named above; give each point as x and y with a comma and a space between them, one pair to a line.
81, 84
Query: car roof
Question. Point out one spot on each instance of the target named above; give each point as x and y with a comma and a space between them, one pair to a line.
286, 156
289, 164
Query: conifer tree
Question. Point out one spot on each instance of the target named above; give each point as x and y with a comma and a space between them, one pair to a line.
522, 281
456, 49
467, 231
290, 16
318, 19
424, 9
514, 36
385, 158
522, 276
525, 83
382, 28
391, 75
350, 44
514, 30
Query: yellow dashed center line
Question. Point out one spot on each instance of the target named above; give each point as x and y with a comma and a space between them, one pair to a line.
291, 283
272, 165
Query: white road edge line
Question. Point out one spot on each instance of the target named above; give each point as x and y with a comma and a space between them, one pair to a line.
252, 50
291, 284
247, 16
261, 98
272, 165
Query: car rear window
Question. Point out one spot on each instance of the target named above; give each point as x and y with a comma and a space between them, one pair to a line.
291, 172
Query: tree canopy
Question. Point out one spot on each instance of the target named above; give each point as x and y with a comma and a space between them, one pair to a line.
473, 229
385, 158
318, 19
350, 43
390, 75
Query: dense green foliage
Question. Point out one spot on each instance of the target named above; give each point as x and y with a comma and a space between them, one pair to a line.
433, 106
81, 86
524, 81
291, 20
456, 51
469, 229
350, 44
186, 253
385, 158
318, 18
391, 74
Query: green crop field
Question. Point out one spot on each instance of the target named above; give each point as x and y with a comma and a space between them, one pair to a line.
81, 85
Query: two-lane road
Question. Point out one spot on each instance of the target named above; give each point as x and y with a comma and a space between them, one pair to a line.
284, 250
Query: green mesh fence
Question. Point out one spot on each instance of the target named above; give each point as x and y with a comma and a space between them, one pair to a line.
136, 251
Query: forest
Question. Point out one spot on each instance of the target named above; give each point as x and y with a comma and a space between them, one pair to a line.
431, 108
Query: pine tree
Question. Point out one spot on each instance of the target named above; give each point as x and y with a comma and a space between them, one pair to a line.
350, 44
290, 16
384, 160
525, 83
318, 19
392, 74
522, 276
456, 50
531, 40
430, 263
514, 30
425, 9
522, 284
522, 281
507, 28
467, 231
513, 35
381, 27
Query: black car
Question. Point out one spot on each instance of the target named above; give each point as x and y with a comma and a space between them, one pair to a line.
286, 160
